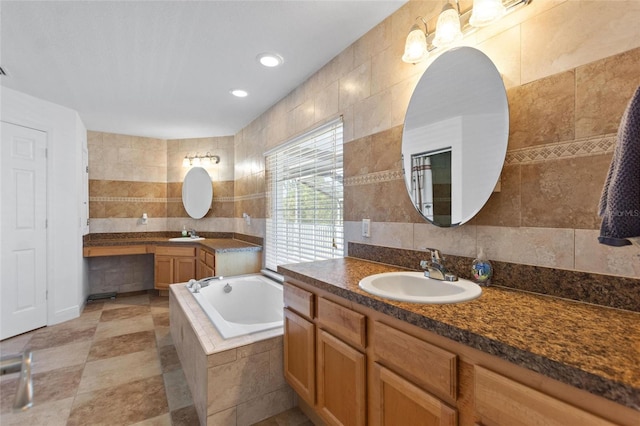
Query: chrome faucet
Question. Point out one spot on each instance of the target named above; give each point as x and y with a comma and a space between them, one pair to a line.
435, 268
193, 233
196, 285
205, 281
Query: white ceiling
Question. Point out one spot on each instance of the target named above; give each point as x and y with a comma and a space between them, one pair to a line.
164, 69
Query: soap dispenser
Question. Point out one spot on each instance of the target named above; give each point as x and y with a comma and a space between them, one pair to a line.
184, 230
481, 270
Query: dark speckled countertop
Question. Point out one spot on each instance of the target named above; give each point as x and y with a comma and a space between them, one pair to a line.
593, 348
218, 245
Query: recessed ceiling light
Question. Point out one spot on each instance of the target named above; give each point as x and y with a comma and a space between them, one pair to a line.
270, 59
239, 93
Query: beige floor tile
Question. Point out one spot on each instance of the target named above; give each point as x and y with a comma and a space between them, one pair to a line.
49, 386
163, 420
123, 326
119, 370
122, 404
186, 416
62, 334
178, 393
124, 312
163, 336
122, 302
51, 414
60, 356
15, 345
123, 344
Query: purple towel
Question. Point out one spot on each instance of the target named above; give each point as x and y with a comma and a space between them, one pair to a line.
620, 201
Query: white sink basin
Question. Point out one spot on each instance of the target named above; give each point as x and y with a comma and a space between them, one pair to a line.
185, 239
415, 287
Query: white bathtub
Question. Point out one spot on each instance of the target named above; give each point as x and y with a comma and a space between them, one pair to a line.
253, 304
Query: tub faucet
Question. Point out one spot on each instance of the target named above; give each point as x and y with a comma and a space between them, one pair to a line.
435, 268
205, 281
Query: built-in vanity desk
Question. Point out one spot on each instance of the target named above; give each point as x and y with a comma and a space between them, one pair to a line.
507, 358
176, 262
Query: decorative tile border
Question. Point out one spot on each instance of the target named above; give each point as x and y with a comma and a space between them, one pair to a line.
129, 199
377, 177
154, 200
248, 197
568, 149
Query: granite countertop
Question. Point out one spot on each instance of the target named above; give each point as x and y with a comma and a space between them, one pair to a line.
218, 245
593, 348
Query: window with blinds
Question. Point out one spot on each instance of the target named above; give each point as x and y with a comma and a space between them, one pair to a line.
305, 198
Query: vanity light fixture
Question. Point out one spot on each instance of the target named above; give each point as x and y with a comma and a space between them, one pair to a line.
270, 60
198, 160
452, 25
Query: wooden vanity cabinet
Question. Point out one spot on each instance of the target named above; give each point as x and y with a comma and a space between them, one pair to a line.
299, 355
396, 401
174, 265
206, 264
341, 364
411, 380
370, 368
500, 401
341, 374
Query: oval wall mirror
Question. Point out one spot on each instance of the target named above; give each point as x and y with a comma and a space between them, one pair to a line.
197, 192
455, 136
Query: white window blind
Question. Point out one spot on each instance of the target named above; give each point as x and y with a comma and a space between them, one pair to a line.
305, 198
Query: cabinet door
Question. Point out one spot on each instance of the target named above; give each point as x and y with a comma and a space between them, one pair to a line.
396, 401
204, 271
341, 382
299, 355
500, 401
184, 269
163, 272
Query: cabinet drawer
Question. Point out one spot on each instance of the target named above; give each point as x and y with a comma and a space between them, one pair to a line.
299, 300
396, 401
426, 365
500, 400
175, 251
114, 250
342, 321
203, 255
209, 259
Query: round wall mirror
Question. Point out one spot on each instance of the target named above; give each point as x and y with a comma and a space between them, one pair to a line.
197, 192
455, 136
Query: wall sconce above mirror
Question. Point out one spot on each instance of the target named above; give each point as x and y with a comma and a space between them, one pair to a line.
200, 160
452, 25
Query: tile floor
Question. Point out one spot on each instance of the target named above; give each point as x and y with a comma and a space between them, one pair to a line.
114, 365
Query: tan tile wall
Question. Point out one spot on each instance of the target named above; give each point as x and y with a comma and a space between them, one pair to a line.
132, 175
569, 67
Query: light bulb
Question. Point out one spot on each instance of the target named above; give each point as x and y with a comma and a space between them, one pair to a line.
485, 12
448, 27
415, 48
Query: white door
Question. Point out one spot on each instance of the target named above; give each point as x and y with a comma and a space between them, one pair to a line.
23, 284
